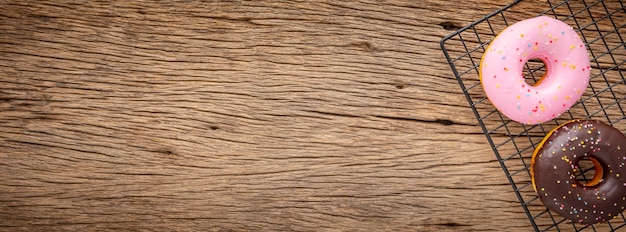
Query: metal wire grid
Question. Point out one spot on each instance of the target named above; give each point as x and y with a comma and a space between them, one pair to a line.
602, 26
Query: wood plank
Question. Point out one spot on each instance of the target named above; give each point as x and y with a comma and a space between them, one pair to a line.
242, 116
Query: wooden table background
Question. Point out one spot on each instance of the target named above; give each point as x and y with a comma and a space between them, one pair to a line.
242, 116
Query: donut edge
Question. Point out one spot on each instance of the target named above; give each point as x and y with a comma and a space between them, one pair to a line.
540, 146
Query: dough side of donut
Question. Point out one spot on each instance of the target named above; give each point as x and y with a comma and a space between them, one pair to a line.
539, 147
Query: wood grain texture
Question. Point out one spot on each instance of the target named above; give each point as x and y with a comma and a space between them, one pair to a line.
242, 116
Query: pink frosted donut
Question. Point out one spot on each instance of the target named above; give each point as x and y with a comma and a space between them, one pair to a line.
567, 70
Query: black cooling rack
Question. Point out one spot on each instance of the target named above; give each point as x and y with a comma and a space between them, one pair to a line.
602, 26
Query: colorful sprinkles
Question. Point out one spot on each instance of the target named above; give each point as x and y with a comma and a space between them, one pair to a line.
541, 38
556, 161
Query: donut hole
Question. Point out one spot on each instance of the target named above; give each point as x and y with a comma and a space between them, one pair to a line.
589, 172
534, 71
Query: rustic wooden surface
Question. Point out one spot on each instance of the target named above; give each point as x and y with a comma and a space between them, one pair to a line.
242, 116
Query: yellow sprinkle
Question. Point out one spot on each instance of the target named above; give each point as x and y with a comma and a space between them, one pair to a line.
506, 69
535, 48
560, 86
543, 189
525, 54
521, 35
564, 64
549, 35
589, 132
572, 66
554, 98
558, 181
572, 47
567, 97
555, 39
518, 96
542, 108
497, 85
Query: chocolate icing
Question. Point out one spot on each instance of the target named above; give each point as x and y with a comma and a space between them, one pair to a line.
555, 161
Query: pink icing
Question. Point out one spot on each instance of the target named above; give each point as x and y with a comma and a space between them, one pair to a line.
567, 70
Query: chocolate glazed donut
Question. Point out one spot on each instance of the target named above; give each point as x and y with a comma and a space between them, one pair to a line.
555, 162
